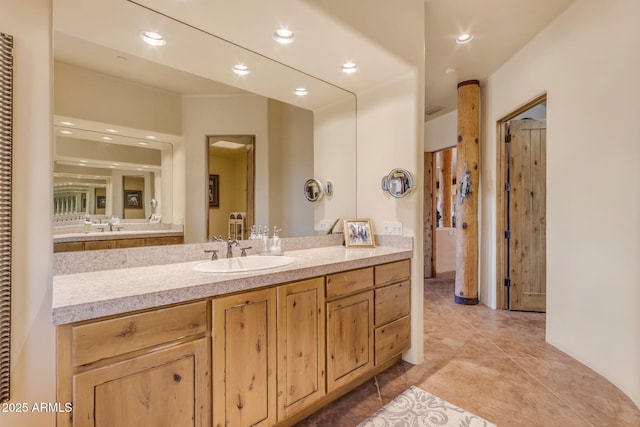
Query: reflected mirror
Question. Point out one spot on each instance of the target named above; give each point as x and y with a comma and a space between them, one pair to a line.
105, 77
313, 190
398, 183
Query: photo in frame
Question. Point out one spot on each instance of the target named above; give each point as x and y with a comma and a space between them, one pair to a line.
101, 202
358, 233
214, 191
133, 199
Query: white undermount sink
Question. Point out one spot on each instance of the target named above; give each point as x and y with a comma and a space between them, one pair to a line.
242, 264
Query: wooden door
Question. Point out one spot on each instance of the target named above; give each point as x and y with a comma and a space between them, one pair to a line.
349, 338
244, 359
168, 388
526, 215
301, 352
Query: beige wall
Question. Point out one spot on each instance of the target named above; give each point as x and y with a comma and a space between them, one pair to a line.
133, 183
220, 115
291, 133
33, 344
115, 101
232, 177
587, 62
440, 133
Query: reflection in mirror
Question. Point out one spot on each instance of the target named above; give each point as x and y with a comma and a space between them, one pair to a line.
313, 190
231, 168
446, 187
104, 75
398, 183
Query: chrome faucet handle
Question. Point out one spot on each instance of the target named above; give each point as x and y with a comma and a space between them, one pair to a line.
243, 251
217, 239
230, 244
213, 252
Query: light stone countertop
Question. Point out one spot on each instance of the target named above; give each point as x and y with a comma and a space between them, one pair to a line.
84, 296
114, 235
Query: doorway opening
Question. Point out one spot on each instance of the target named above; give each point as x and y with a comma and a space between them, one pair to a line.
521, 208
231, 185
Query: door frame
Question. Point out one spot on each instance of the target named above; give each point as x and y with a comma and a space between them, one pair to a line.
502, 302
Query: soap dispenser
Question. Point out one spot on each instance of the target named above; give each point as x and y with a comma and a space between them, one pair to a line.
276, 244
87, 224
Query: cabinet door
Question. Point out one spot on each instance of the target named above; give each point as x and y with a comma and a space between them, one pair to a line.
169, 388
349, 338
301, 352
244, 359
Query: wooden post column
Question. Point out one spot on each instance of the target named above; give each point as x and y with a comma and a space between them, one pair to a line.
467, 174
445, 168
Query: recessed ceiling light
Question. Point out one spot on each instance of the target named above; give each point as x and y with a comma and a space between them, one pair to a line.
139, 169
84, 161
112, 130
66, 132
121, 58
67, 123
142, 143
284, 36
150, 137
106, 138
450, 70
464, 38
152, 38
115, 164
349, 67
81, 164
241, 69
301, 91
112, 167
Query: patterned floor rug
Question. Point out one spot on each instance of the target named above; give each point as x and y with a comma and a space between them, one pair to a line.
417, 408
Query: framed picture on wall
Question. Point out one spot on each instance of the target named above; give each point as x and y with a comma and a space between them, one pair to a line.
358, 233
214, 191
101, 202
133, 199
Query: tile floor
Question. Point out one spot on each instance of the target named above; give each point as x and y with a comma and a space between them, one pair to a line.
495, 364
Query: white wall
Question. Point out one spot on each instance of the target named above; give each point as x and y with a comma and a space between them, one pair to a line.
587, 61
33, 343
390, 136
335, 160
440, 133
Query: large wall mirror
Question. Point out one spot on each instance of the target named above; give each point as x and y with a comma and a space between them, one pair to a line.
173, 98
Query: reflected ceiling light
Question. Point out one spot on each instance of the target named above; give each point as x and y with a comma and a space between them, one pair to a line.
284, 36
67, 123
112, 167
464, 38
301, 91
227, 144
349, 67
115, 164
153, 39
142, 143
150, 137
106, 138
139, 169
66, 132
112, 130
84, 161
241, 69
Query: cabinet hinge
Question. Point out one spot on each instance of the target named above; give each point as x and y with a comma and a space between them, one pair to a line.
507, 234
507, 138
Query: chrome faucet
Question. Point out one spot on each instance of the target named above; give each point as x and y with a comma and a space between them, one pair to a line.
230, 244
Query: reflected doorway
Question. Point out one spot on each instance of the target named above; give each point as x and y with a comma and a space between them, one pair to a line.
231, 185
445, 206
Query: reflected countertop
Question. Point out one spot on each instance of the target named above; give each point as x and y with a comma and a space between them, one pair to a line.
114, 235
90, 295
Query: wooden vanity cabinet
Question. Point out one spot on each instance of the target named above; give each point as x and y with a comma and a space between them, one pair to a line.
349, 326
145, 369
392, 310
244, 359
301, 351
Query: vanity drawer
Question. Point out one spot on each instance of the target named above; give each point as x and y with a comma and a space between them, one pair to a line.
157, 241
392, 339
349, 282
392, 302
99, 244
393, 272
129, 243
99, 340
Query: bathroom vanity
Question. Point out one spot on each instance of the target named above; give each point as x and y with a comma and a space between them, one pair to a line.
166, 345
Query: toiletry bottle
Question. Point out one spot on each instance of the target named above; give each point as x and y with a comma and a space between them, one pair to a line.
87, 224
276, 244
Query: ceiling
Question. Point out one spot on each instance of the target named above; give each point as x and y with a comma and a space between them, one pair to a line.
500, 28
